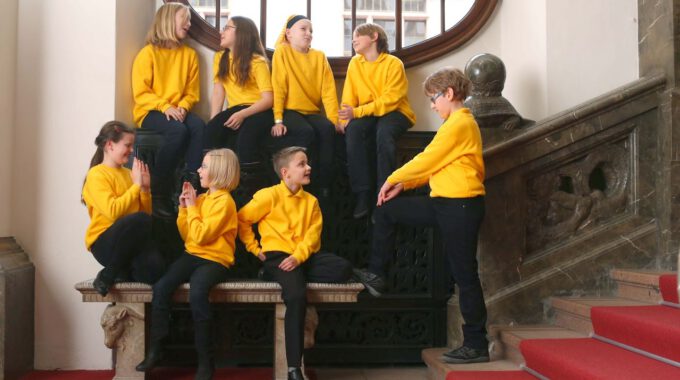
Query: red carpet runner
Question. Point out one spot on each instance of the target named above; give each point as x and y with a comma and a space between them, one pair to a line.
579, 359
489, 375
655, 329
668, 284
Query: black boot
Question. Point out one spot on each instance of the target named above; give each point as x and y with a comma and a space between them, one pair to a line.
204, 349
102, 282
160, 326
295, 374
153, 356
362, 206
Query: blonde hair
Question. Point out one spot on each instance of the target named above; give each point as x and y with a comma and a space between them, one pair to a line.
162, 31
282, 158
446, 78
368, 29
282, 39
223, 169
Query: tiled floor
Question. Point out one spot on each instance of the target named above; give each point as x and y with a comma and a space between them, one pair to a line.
391, 373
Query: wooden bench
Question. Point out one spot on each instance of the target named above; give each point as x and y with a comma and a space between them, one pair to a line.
124, 321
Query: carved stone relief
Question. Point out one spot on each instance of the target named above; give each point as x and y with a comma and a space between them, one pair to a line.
577, 196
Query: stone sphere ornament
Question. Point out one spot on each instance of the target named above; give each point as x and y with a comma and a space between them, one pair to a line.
491, 109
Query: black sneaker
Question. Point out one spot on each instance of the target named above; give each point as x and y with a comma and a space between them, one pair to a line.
373, 283
295, 374
101, 284
464, 355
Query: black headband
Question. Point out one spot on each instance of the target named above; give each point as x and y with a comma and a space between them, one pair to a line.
295, 19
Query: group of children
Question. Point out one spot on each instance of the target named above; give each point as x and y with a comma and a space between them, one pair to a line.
287, 107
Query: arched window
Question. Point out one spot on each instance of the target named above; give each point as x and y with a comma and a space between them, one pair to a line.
418, 30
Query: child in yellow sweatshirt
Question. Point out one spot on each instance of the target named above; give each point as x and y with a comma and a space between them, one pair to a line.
241, 73
208, 226
303, 81
452, 164
119, 204
165, 86
374, 112
289, 223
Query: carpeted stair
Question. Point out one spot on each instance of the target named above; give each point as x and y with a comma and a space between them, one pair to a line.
629, 336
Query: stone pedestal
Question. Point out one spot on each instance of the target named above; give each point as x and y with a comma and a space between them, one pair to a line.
17, 276
123, 326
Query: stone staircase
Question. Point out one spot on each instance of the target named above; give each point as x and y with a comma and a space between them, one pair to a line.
570, 322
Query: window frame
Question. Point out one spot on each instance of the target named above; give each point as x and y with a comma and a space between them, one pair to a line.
413, 55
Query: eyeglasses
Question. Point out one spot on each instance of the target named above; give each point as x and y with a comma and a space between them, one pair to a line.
228, 27
434, 97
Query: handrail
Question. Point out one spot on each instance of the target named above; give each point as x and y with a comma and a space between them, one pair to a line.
578, 112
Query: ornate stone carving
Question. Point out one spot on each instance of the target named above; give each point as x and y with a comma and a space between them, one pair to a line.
123, 326
577, 196
491, 109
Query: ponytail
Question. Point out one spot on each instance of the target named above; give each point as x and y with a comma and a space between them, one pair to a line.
111, 131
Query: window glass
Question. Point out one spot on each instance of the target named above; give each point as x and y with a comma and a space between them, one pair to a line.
455, 10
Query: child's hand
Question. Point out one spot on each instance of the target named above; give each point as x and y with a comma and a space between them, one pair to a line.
146, 177
189, 194
289, 264
136, 173
279, 130
261, 256
346, 112
340, 127
175, 114
388, 191
183, 112
235, 120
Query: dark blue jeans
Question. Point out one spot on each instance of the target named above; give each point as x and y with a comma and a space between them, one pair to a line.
320, 267
458, 220
371, 148
315, 133
128, 248
247, 141
179, 138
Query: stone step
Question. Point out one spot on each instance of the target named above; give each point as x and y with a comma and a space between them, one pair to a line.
573, 313
509, 338
437, 369
638, 284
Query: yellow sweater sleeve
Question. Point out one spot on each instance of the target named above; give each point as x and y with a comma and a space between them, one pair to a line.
329, 95
447, 145
142, 82
207, 227
251, 214
350, 97
312, 240
392, 91
98, 194
191, 92
279, 83
145, 201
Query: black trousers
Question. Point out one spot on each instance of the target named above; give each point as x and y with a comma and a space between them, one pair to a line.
201, 274
179, 138
458, 220
128, 248
315, 133
361, 137
320, 267
247, 141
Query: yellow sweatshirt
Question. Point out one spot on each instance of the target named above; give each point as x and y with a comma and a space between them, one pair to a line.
162, 78
377, 88
209, 227
109, 194
259, 81
452, 162
286, 222
303, 82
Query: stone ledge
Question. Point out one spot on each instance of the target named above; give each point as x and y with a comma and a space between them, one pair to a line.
234, 292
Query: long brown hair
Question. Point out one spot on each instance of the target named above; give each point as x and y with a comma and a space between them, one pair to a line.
247, 44
111, 131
